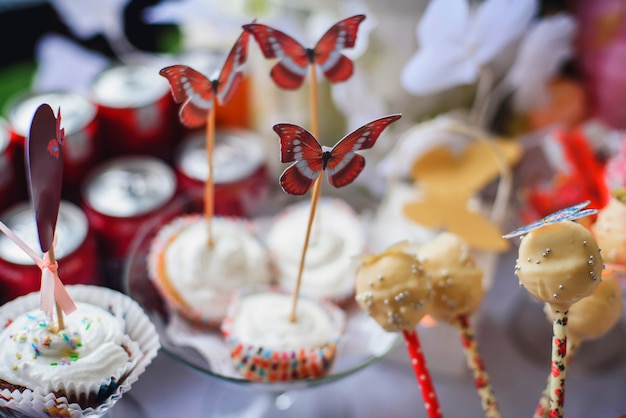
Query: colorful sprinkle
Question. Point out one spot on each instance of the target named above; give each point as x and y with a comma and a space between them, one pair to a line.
35, 349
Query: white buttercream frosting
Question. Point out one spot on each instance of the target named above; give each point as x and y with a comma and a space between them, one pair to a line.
207, 277
262, 320
337, 236
88, 350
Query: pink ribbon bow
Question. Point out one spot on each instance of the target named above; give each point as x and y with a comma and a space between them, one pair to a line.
52, 288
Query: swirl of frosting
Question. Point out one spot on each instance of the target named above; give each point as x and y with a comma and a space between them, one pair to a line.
206, 277
262, 319
88, 350
336, 237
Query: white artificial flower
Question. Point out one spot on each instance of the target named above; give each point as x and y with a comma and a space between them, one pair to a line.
455, 42
204, 23
88, 18
544, 49
64, 65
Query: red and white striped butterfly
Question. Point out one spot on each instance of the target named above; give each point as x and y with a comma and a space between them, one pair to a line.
341, 162
294, 59
197, 92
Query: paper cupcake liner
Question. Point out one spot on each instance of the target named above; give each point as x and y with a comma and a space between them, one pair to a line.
342, 297
156, 269
141, 341
258, 363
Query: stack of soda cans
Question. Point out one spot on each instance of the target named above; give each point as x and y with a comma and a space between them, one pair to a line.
127, 159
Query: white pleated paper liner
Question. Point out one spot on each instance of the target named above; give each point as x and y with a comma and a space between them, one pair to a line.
141, 341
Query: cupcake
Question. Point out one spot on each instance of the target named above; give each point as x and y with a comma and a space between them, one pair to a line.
84, 368
265, 345
198, 280
337, 236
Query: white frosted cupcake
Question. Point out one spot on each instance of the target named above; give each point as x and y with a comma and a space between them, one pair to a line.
198, 280
84, 368
265, 345
337, 237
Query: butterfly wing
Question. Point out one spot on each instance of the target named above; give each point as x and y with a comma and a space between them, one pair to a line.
231, 74
297, 145
567, 214
344, 164
193, 90
335, 66
291, 69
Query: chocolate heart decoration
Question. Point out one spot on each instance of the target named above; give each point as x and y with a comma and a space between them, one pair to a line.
44, 162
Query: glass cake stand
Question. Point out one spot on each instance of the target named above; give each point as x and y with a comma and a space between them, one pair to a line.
362, 344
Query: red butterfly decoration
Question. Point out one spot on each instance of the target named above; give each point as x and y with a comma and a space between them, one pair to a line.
309, 158
196, 92
291, 69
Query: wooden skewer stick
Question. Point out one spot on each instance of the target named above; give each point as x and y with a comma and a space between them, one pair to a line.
60, 319
209, 186
314, 199
316, 190
313, 100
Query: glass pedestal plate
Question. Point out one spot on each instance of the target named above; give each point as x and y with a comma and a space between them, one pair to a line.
362, 344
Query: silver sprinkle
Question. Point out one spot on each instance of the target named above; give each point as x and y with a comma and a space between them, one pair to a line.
585, 243
561, 286
555, 296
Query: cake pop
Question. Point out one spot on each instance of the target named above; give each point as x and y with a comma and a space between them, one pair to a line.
457, 290
559, 263
393, 289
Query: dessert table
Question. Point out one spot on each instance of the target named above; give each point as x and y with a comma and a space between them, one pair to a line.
387, 388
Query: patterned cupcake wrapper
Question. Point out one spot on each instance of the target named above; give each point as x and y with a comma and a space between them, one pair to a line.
156, 270
141, 341
261, 364
258, 363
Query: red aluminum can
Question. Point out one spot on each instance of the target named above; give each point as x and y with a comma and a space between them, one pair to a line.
81, 147
241, 174
122, 195
137, 111
12, 183
75, 251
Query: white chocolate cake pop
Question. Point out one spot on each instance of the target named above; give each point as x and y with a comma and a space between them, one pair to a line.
595, 315
559, 263
456, 281
393, 288
610, 230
